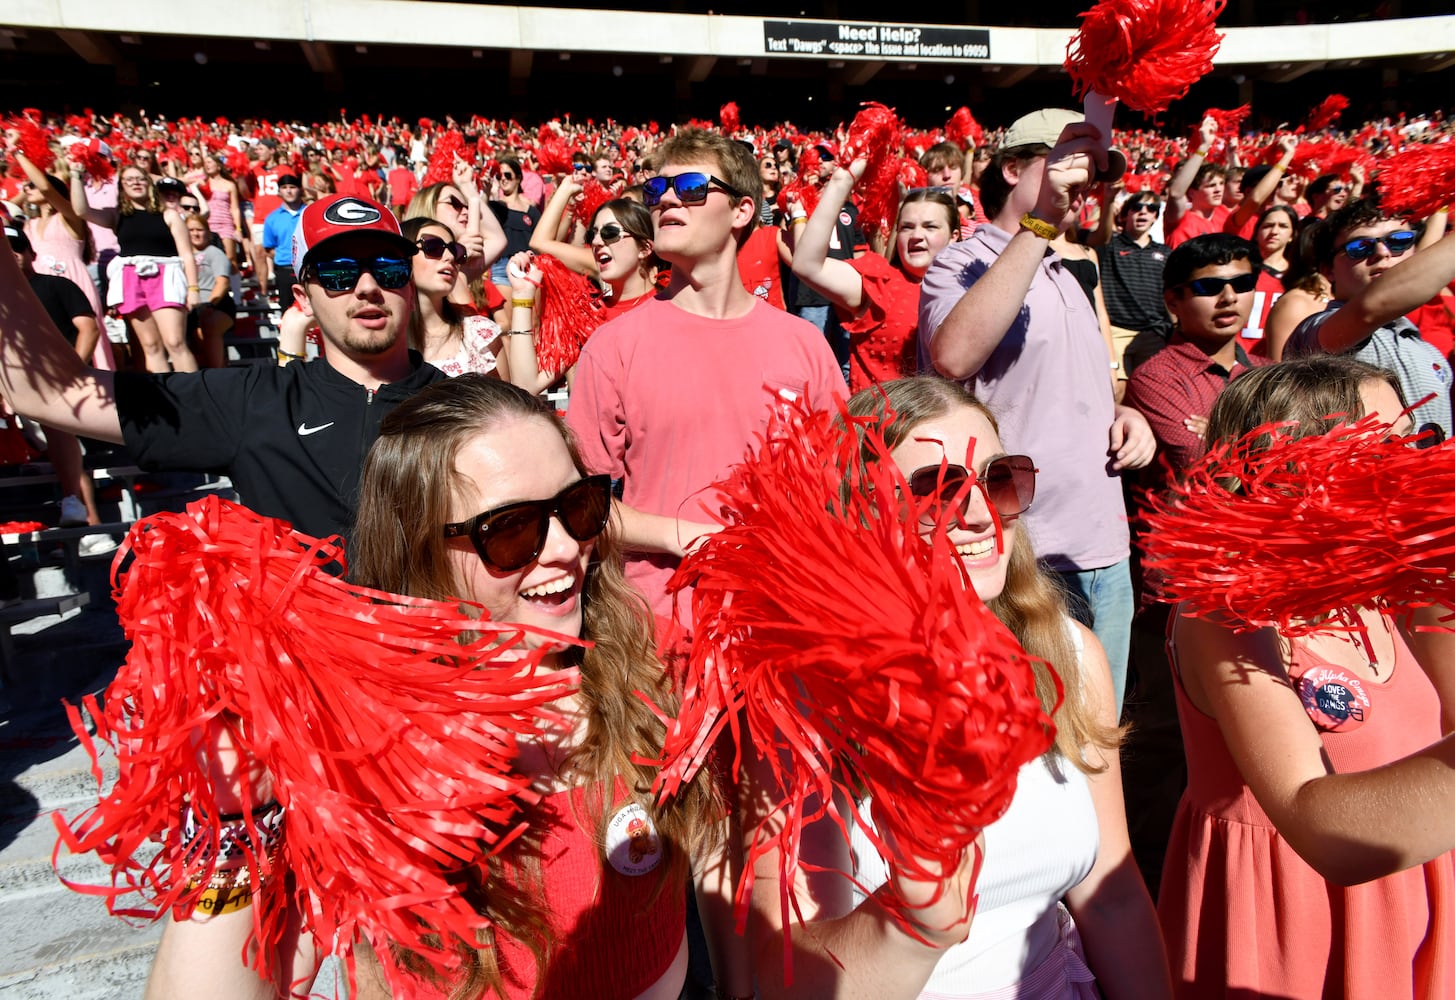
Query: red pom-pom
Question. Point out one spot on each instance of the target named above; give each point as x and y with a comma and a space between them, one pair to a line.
387, 741
441, 169
855, 651
729, 117
1229, 122
1316, 525
874, 135
551, 153
1415, 184
963, 130
570, 311
238, 162
593, 195
1144, 53
88, 154
805, 187
32, 139
1327, 113
912, 175
1308, 158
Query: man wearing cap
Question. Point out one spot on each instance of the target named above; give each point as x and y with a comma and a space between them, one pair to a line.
1131, 265
278, 230
1001, 313
291, 439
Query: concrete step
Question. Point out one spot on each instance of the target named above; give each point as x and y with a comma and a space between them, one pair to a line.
64, 944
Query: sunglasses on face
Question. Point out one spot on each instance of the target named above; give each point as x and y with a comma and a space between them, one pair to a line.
609, 233
455, 203
511, 537
342, 273
1397, 243
506, 176
580, 167
434, 248
691, 188
1008, 484
1214, 286
1335, 189
1143, 206
188, 208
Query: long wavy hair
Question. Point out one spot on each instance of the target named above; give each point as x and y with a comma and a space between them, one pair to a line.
409, 484
1032, 604
451, 313
125, 206
424, 202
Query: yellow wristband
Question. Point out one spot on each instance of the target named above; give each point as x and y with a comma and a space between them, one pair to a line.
796, 221
217, 901
1280, 167
1040, 227
523, 303
192, 288
1204, 151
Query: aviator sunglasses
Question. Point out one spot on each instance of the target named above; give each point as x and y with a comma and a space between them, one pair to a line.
511, 537
692, 188
1008, 484
609, 233
1397, 243
341, 274
1212, 287
434, 248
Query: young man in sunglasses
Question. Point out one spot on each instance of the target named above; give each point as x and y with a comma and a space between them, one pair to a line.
669, 396
1001, 313
1377, 278
291, 439
1131, 283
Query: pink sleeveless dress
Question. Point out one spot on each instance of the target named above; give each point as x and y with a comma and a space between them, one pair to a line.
59, 253
1244, 916
219, 214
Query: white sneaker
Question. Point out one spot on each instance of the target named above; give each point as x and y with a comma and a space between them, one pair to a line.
73, 512
96, 545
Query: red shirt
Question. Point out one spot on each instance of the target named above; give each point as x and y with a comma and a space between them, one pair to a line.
882, 338
1194, 223
1264, 295
402, 185
758, 266
267, 197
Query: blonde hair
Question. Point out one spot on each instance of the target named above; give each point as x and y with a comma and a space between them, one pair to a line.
408, 486
1032, 604
125, 206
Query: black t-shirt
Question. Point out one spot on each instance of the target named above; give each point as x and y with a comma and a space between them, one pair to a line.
518, 227
292, 440
63, 303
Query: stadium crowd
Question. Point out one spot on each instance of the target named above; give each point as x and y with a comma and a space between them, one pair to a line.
1045, 327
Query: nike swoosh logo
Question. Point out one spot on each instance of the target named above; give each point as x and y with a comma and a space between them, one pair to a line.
304, 430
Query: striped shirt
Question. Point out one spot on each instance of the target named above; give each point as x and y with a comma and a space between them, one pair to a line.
1131, 284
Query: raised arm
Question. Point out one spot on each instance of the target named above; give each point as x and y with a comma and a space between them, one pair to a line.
1350, 827
580, 259
835, 280
40, 374
484, 239
1181, 182
977, 323
105, 217
1254, 200
1409, 284
517, 359
53, 197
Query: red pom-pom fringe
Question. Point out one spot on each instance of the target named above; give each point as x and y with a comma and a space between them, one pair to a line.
1229, 122
912, 175
32, 139
441, 169
731, 120
88, 155
963, 130
1144, 53
855, 652
570, 311
388, 741
593, 195
551, 153
1327, 113
805, 185
874, 135
1415, 184
1317, 525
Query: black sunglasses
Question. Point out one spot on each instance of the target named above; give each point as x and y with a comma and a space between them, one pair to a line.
691, 188
1008, 484
609, 233
1142, 206
186, 207
506, 175
455, 203
511, 537
341, 274
1214, 286
434, 248
1399, 242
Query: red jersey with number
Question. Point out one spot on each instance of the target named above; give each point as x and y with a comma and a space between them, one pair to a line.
1265, 294
267, 198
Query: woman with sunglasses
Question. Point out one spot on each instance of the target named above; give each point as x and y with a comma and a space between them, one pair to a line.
617, 251
474, 492
876, 300
517, 216
1310, 856
1062, 910
772, 183
460, 206
153, 279
448, 336
224, 205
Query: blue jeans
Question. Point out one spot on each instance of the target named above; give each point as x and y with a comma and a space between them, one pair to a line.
1101, 599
